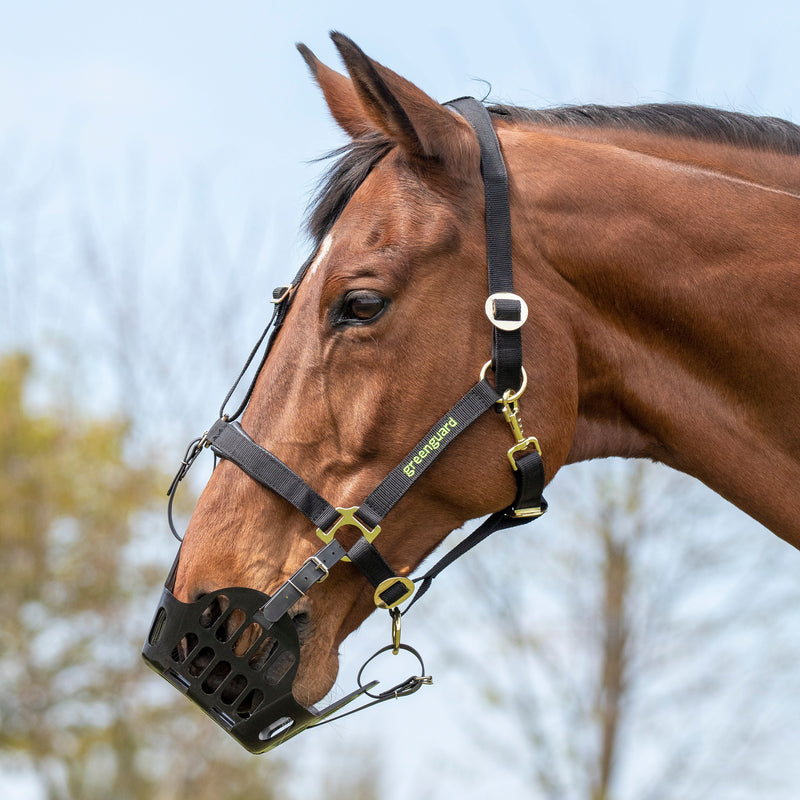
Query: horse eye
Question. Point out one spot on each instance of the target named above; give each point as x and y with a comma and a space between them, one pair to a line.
362, 305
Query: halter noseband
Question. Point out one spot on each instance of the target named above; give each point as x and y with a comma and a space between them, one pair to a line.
235, 652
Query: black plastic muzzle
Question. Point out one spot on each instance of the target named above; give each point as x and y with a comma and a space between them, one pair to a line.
239, 668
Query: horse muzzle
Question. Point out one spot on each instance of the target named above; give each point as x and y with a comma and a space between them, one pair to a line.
237, 666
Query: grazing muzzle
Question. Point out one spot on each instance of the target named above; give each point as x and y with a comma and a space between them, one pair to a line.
238, 667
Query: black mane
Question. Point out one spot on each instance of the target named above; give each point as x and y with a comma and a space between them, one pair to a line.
671, 119
355, 160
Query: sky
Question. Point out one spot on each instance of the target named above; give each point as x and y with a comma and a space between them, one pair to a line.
198, 88
168, 94
149, 109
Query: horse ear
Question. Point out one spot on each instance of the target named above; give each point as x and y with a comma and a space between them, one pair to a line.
420, 125
340, 95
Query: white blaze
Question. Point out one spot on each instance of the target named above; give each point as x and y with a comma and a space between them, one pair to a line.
321, 253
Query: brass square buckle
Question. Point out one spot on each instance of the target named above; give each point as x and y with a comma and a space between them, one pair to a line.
384, 586
347, 516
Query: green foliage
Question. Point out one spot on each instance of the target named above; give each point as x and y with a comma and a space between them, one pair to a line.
77, 705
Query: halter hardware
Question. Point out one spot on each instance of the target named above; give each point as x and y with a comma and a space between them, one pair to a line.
280, 293
510, 409
319, 566
390, 583
347, 517
506, 311
396, 620
521, 442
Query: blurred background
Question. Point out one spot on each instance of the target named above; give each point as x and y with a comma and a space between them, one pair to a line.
155, 164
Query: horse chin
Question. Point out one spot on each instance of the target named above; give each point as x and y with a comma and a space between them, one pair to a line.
316, 675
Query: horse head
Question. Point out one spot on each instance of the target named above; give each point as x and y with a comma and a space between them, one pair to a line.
386, 330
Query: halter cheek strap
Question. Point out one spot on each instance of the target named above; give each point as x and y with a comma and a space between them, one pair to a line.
503, 306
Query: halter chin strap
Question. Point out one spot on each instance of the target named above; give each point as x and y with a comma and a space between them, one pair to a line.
507, 313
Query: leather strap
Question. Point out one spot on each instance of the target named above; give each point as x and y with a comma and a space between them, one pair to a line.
315, 569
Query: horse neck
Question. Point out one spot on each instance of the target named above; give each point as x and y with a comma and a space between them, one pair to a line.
679, 279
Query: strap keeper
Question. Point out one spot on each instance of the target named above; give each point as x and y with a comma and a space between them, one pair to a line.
499, 314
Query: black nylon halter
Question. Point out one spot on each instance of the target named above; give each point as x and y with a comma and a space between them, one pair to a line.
228, 440
507, 311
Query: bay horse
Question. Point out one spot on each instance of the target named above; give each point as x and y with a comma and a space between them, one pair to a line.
656, 248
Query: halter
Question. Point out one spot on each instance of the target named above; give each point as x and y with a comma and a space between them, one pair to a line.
235, 652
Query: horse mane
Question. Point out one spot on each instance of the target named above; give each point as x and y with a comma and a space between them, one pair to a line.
670, 119
353, 163
356, 159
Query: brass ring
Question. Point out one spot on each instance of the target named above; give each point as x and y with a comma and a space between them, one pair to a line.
512, 397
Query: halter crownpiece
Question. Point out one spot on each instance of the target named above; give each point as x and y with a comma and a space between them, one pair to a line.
235, 652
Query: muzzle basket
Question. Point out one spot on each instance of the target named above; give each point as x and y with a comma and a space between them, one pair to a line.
238, 669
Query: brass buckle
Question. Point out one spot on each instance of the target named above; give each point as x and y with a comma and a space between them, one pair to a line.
387, 584
319, 565
527, 513
396, 617
347, 516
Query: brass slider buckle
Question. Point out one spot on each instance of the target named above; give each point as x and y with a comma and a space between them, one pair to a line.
347, 516
384, 586
527, 513
280, 294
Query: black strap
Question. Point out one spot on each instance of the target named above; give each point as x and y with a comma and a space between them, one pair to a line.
227, 439
417, 462
496, 522
530, 485
315, 569
506, 345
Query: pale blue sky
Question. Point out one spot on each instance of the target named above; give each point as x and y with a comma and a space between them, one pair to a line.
220, 86
181, 89
95, 97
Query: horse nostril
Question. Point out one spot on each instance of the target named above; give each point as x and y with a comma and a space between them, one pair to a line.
302, 623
